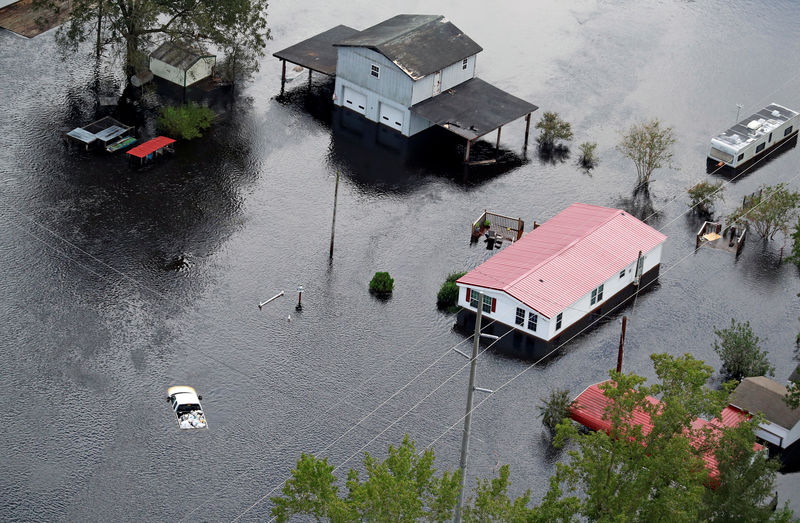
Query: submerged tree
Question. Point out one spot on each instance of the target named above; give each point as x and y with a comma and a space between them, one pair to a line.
587, 158
553, 129
769, 211
702, 196
649, 145
555, 408
129, 28
740, 352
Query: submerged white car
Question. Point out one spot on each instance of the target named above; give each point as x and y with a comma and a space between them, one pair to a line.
186, 405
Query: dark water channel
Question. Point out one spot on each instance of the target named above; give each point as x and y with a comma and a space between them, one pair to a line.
117, 283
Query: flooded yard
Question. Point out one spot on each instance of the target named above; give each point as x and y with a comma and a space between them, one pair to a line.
118, 283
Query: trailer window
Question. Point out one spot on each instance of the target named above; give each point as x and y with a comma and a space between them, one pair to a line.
720, 155
740, 157
787, 131
760, 147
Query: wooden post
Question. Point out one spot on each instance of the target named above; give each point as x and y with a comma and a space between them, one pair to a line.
309, 78
527, 130
333, 224
283, 75
497, 145
621, 343
466, 154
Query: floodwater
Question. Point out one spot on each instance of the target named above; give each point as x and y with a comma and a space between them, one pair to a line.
117, 283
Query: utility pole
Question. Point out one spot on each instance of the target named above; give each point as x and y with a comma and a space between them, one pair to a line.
468, 417
333, 225
621, 343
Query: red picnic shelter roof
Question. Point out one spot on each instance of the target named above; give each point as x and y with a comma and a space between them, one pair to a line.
150, 146
589, 408
566, 257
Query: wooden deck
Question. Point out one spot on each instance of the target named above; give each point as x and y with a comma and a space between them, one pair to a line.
22, 18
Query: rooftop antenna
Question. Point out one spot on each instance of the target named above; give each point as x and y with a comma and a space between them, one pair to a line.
738, 108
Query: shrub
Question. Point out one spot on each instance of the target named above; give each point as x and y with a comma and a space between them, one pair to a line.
553, 128
448, 292
555, 408
381, 283
740, 354
649, 145
587, 158
703, 195
487, 223
185, 121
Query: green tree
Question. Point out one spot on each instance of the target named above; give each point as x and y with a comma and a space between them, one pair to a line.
740, 353
492, 503
403, 487
770, 211
703, 195
381, 283
553, 128
793, 394
795, 256
185, 121
630, 474
555, 408
587, 158
649, 145
129, 28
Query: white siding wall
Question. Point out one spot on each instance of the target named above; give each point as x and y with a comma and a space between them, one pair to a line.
201, 69
794, 435
373, 103
166, 71
506, 306
452, 75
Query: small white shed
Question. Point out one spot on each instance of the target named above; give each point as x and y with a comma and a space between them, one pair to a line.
181, 65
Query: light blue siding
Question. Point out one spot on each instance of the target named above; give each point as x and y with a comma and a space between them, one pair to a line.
353, 64
452, 75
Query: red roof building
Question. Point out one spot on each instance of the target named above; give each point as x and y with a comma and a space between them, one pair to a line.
563, 270
590, 406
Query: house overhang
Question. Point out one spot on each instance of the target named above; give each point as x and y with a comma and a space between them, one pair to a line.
473, 109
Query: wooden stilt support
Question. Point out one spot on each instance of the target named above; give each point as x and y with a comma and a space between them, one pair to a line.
527, 130
283, 75
497, 145
466, 154
309, 78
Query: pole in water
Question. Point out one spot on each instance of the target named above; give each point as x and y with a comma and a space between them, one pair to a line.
269, 300
333, 223
299, 298
468, 416
621, 343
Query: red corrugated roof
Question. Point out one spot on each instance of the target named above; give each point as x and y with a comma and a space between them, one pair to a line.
590, 405
150, 146
563, 259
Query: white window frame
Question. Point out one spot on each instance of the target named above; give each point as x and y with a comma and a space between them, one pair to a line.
558, 320
487, 304
375, 70
520, 319
464, 64
473, 299
597, 295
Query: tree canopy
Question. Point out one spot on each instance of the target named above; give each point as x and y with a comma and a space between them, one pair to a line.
769, 211
740, 352
649, 145
130, 28
553, 128
624, 475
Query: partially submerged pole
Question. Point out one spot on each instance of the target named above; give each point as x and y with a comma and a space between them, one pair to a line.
621, 343
283, 76
333, 223
527, 130
468, 417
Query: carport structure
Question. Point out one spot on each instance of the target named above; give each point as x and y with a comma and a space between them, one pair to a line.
474, 109
316, 53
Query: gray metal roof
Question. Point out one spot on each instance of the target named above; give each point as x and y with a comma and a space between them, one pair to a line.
763, 122
317, 53
473, 108
761, 394
417, 44
178, 56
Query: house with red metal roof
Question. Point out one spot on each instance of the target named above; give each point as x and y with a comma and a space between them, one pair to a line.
589, 408
566, 272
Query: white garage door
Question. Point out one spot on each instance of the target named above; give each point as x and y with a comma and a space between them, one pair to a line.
391, 117
355, 100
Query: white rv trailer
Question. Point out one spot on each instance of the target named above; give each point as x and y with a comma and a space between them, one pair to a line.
754, 136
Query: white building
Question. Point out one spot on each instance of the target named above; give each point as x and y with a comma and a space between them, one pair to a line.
180, 65
568, 270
